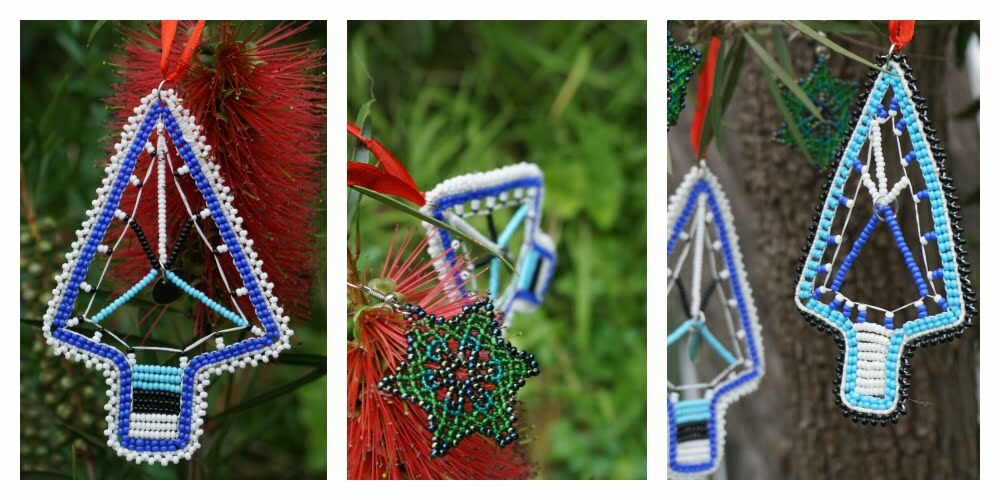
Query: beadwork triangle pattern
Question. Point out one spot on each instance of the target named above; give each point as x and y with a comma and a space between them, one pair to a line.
501, 209
463, 374
708, 282
890, 183
156, 412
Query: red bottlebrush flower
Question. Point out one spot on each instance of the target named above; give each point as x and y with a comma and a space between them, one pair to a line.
262, 104
387, 438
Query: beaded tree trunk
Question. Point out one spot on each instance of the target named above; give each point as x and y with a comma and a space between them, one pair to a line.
792, 427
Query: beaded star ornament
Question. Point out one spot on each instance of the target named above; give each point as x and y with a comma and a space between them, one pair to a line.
461, 371
890, 180
682, 59
708, 282
156, 412
502, 210
834, 98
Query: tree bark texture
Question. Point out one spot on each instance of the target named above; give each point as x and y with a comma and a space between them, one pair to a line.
791, 427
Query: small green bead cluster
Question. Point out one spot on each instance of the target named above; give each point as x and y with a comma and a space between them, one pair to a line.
681, 62
834, 98
463, 373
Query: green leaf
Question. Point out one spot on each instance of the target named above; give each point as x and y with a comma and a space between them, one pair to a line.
93, 32
769, 63
787, 115
43, 474
275, 393
303, 359
403, 207
360, 154
815, 35
781, 47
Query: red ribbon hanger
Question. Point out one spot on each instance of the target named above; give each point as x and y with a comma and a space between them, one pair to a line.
900, 33
706, 79
393, 179
168, 30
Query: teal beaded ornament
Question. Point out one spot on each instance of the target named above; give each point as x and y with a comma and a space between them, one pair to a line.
891, 176
834, 98
462, 372
681, 62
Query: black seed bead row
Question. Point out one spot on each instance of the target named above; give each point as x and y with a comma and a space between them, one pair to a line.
954, 214
185, 230
144, 242
154, 401
692, 431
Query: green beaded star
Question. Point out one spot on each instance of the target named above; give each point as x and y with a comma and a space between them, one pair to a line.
463, 373
834, 98
681, 61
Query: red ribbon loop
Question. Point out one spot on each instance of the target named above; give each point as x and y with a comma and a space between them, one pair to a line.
169, 29
393, 179
900, 33
706, 80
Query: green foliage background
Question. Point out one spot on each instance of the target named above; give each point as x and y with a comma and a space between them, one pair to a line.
456, 97
268, 422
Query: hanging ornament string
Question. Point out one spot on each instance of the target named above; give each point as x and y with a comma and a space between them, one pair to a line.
900, 33
393, 179
705, 82
168, 30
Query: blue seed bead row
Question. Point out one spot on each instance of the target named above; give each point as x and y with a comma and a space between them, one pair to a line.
125, 297
65, 308
859, 244
686, 214
911, 263
158, 378
204, 299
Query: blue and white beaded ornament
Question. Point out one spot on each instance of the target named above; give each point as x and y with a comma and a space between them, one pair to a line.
156, 413
890, 161
502, 210
706, 274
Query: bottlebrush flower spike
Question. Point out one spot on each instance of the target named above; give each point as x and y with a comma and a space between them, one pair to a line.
261, 99
387, 438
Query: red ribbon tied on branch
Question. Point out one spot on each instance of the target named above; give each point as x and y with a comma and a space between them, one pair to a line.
393, 179
706, 80
167, 33
900, 33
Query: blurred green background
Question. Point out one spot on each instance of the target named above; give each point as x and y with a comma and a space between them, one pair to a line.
268, 422
456, 97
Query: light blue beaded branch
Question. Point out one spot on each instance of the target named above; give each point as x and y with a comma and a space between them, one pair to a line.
157, 412
876, 340
479, 196
705, 263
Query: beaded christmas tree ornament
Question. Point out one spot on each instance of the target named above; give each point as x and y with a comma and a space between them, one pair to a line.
461, 371
157, 412
501, 209
834, 98
681, 62
707, 280
890, 180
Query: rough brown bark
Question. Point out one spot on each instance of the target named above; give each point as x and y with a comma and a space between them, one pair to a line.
791, 427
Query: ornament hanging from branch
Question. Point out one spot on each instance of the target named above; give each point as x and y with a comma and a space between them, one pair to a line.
707, 279
393, 436
890, 183
834, 98
157, 411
